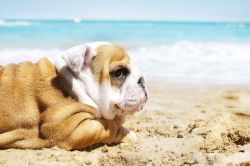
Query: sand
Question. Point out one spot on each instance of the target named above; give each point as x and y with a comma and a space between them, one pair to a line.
181, 124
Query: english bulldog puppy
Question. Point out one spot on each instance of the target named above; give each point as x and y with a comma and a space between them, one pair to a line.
78, 101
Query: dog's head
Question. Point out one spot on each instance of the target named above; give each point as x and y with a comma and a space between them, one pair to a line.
104, 76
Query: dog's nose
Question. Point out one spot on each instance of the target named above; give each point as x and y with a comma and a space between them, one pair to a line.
141, 82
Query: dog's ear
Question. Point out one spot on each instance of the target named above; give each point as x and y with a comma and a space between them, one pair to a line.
77, 58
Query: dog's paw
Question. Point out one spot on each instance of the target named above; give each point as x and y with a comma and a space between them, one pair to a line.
130, 137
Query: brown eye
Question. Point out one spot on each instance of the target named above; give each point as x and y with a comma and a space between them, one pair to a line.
119, 73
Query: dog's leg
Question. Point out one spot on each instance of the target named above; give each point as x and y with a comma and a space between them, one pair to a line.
22, 138
79, 133
11, 136
75, 126
32, 143
90, 132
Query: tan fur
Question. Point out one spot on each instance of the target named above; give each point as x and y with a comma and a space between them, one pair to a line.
36, 113
108, 57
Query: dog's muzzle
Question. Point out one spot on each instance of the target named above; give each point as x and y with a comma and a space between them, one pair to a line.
135, 99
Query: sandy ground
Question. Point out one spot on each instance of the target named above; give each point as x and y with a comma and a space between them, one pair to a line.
180, 125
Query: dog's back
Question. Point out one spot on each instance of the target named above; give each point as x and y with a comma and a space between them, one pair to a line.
18, 105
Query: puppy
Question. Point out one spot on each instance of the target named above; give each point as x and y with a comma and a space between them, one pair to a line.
78, 101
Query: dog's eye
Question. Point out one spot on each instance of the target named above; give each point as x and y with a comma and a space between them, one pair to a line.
119, 73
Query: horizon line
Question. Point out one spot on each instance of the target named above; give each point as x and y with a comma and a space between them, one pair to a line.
128, 20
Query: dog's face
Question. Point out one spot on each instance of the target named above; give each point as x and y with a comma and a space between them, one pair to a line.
104, 76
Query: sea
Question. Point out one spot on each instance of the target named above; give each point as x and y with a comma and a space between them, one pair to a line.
172, 51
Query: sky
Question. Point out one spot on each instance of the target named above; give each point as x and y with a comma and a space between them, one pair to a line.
167, 10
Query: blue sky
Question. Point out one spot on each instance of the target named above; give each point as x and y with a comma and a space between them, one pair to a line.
173, 10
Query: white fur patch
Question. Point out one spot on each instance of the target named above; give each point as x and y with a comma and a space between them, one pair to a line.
104, 102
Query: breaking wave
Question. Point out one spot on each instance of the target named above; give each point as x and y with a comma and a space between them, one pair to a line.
184, 61
17, 55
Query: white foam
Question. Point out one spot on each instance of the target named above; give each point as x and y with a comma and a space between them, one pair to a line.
219, 63
19, 55
14, 23
196, 62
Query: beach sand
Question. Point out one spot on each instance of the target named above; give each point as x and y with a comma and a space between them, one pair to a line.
182, 124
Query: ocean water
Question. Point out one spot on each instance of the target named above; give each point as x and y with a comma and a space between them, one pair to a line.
194, 52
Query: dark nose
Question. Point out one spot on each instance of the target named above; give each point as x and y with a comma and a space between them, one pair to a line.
141, 82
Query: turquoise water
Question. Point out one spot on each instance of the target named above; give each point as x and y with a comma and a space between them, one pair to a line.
195, 52
63, 33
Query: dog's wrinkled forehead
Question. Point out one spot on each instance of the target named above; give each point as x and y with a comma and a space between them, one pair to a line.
110, 65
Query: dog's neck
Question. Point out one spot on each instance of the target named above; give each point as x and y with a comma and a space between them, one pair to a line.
71, 84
